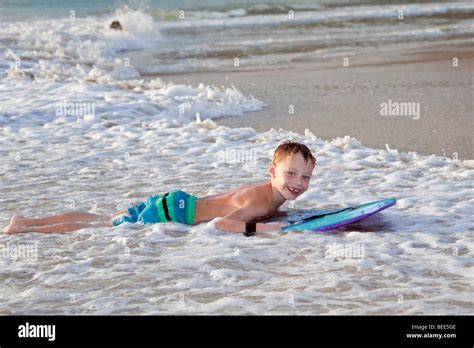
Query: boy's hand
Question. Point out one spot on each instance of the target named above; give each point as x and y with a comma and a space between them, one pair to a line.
275, 226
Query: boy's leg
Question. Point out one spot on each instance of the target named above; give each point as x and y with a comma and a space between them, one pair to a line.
62, 227
70, 221
70, 216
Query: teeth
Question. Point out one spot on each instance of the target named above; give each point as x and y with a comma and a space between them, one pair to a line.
293, 190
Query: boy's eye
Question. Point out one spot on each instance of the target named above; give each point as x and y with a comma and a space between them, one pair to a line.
306, 177
291, 173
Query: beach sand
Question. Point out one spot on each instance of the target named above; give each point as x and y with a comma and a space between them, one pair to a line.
332, 100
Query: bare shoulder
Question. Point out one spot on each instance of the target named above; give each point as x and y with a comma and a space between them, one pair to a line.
256, 197
251, 193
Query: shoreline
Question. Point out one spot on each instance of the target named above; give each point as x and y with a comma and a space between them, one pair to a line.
334, 101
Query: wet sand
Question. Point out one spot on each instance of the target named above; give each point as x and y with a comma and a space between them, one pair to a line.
332, 100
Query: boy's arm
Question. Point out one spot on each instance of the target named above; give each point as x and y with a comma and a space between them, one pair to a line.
235, 221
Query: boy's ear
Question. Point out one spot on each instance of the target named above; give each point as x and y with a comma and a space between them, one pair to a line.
271, 169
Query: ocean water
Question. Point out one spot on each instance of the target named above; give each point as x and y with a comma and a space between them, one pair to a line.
89, 120
163, 37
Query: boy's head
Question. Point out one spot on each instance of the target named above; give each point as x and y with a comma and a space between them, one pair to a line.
291, 169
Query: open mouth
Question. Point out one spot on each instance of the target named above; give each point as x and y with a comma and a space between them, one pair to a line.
293, 190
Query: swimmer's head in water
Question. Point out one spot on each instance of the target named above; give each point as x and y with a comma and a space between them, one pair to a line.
116, 25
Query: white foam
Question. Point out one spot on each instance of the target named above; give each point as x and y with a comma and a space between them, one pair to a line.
414, 253
65, 49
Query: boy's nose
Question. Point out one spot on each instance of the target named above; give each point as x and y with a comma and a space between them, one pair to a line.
299, 182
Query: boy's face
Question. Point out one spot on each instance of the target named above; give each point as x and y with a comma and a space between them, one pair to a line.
291, 176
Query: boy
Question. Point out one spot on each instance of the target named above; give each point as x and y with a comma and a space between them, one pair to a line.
290, 172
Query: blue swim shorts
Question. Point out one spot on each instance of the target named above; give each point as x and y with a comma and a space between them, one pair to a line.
175, 206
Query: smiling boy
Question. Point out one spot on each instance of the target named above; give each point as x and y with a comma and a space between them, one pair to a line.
290, 173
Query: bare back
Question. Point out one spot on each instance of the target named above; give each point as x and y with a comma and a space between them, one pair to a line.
210, 207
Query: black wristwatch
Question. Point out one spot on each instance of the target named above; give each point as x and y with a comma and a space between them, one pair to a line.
250, 229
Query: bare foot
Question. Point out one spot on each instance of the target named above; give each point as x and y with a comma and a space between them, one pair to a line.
17, 222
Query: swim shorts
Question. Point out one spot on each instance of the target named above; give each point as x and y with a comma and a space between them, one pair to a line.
175, 206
